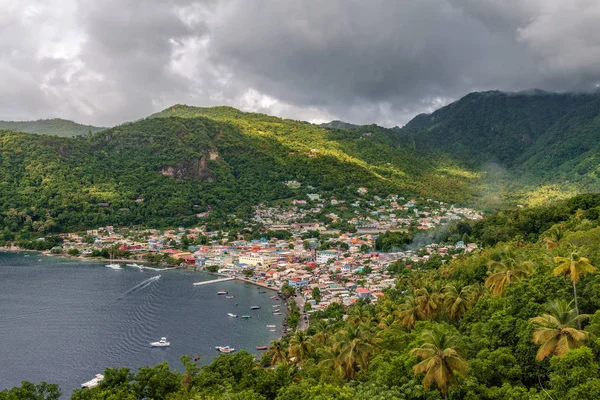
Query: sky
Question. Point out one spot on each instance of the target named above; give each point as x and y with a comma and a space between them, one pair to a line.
376, 61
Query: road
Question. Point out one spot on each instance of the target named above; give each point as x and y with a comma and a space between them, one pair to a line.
303, 324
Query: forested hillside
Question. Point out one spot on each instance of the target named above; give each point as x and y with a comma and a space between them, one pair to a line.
56, 127
163, 171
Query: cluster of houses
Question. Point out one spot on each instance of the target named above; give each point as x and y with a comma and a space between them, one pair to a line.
342, 265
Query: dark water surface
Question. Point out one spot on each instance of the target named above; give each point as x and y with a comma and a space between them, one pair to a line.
63, 321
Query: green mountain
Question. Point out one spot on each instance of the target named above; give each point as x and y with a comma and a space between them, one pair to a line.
336, 124
55, 127
488, 149
163, 170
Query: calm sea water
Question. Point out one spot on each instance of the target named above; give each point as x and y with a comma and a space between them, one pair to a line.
63, 321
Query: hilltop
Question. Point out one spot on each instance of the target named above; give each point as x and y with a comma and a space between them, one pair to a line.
55, 127
488, 149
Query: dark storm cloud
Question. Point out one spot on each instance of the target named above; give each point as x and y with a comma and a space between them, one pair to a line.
362, 61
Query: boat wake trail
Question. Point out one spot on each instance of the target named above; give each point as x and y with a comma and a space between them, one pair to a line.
143, 284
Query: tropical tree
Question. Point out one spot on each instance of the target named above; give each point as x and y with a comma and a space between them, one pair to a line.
556, 332
300, 346
457, 300
442, 359
355, 346
278, 353
409, 312
506, 271
429, 300
553, 236
574, 267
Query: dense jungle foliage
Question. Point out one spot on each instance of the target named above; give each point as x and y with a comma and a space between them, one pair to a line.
517, 320
55, 126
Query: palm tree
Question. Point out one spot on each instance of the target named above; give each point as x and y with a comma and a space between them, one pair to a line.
575, 267
428, 300
409, 312
355, 346
457, 300
442, 359
509, 269
278, 353
556, 332
300, 346
553, 236
330, 359
322, 336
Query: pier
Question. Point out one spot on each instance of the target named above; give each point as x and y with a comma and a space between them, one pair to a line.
213, 281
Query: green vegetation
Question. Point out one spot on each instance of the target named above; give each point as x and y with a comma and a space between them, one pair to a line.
499, 323
55, 127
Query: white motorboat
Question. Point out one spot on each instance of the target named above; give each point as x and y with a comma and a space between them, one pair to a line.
271, 326
161, 343
225, 349
113, 266
232, 315
135, 265
94, 382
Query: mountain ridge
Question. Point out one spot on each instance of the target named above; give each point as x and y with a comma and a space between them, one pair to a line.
52, 126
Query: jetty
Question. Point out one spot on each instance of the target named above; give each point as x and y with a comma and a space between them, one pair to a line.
213, 281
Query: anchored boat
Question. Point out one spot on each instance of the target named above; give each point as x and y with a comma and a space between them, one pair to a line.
161, 343
94, 382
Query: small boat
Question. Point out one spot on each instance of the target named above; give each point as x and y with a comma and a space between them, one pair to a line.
261, 291
255, 307
275, 305
221, 292
225, 349
272, 330
135, 265
232, 315
276, 299
94, 382
229, 297
246, 316
196, 358
271, 326
26, 255
273, 297
262, 347
113, 266
161, 343
276, 313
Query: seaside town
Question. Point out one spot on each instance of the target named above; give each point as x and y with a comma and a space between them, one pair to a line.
323, 263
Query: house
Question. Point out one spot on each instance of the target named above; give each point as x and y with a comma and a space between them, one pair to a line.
324, 256
297, 282
363, 293
362, 190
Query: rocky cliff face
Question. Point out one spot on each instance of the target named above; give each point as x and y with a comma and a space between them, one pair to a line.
193, 169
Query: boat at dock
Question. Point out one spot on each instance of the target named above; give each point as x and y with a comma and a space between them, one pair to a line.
271, 326
232, 315
275, 305
255, 307
161, 343
272, 330
222, 292
262, 347
224, 349
276, 313
93, 382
